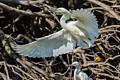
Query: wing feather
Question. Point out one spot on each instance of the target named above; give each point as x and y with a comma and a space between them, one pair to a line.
86, 20
55, 44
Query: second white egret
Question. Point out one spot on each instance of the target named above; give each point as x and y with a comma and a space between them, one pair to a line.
78, 73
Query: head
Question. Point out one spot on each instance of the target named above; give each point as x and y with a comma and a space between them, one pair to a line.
75, 63
63, 11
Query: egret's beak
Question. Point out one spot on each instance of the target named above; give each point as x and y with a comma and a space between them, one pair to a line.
52, 9
56, 11
69, 65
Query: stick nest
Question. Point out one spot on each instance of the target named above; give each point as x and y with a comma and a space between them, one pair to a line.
23, 22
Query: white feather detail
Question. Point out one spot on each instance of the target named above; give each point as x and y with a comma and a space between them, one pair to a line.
86, 20
55, 44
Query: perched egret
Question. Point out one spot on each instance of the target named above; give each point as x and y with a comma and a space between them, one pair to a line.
78, 73
80, 31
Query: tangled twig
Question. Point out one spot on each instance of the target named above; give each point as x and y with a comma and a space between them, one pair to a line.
23, 24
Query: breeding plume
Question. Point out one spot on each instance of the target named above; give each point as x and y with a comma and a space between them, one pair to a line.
79, 29
78, 73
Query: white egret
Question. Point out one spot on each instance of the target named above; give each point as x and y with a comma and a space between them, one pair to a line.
78, 73
80, 32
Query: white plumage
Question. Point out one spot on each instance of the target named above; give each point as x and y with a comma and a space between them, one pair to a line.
55, 44
80, 32
78, 73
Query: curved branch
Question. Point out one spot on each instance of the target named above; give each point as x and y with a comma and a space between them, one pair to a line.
107, 8
22, 2
11, 9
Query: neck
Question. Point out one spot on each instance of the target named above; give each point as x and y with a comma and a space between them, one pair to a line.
63, 20
66, 15
78, 67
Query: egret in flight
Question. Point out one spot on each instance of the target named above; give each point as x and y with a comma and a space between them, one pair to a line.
80, 28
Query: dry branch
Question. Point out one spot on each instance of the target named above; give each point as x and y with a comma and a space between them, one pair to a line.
14, 10
23, 28
107, 8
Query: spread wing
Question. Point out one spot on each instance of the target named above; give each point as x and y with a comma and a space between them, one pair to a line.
86, 20
55, 44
